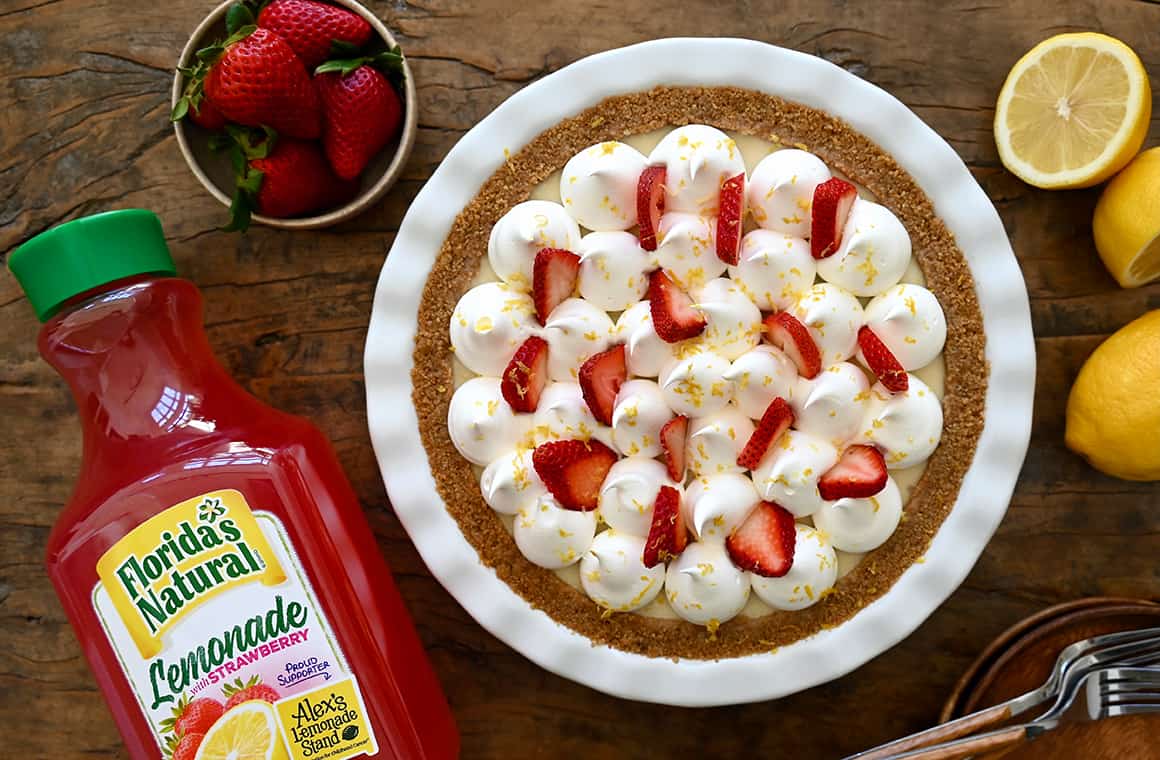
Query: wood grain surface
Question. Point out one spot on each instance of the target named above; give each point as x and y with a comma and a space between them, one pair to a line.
83, 128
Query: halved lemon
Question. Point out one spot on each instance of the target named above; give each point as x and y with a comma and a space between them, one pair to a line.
1126, 223
1073, 111
248, 731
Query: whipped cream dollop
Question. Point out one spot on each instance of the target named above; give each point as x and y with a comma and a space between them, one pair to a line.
510, 483
715, 440
697, 159
614, 576
704, 587
832, 405
759, 376
715, 505
645, 353
488, 324
637, 418
551, 536
788, 475
696, 385
774, 269
598, 185
910, 322
480, 422
575, 330
860, 525
687, 249
874, 253
833, 316
732, 321
814, 572
629, 491
562, 413
905, 426
520, 234
613, 270
781, 190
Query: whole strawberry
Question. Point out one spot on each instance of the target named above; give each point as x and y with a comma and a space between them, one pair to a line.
239, 692
206, 115
311, 28
280, 177
255, 79
361, 110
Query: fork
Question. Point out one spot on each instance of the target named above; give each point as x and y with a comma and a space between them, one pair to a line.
1140, 647
1098, 694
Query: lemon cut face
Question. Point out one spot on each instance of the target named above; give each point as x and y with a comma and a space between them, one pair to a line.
248, 731
1073, 111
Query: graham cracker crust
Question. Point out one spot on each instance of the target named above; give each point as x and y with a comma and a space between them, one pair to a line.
772, 119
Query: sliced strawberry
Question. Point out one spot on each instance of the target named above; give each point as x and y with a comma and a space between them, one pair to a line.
881, 362
786, 331
673, 315
774, 422
667, 536
859, 474
526, 374
730, 212
554, 276
650, 205
600, 380
673, 444
764, 543
832, 202
574, 470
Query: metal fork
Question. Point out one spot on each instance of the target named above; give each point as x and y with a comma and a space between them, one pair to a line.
1140, 647
1098, 694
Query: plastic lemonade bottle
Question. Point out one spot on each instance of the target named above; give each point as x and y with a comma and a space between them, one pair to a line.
213, 560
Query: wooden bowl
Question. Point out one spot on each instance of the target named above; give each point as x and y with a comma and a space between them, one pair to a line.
1021, 659
214, 171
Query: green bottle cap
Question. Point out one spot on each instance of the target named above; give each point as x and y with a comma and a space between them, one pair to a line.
86, 253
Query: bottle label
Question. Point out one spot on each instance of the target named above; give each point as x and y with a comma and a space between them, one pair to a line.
223, 640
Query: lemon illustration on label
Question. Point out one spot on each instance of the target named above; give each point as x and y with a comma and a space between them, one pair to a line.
248, 731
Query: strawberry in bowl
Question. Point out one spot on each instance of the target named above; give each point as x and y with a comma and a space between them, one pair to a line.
294, 113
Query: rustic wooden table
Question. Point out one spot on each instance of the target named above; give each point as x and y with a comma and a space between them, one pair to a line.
84, 93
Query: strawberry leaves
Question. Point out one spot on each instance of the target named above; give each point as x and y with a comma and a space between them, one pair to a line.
244, 145
390, 62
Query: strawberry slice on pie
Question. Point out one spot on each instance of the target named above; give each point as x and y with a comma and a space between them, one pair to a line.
774, 422
859, 474
764, 543
600, 379
673, 436
832, 202
526, 375
554, 275
786, 331
882, 362
730, 213
673, 314
667, 536
573, 471
650, 205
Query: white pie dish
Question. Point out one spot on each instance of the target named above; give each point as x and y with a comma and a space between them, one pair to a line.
958, 200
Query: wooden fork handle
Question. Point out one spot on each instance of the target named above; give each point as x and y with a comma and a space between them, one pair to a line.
996, 740
968, 724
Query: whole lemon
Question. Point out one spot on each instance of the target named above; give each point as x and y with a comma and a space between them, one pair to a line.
1126, 223
1113, 412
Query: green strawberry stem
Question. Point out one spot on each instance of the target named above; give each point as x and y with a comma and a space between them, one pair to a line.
390, 62
243, 146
